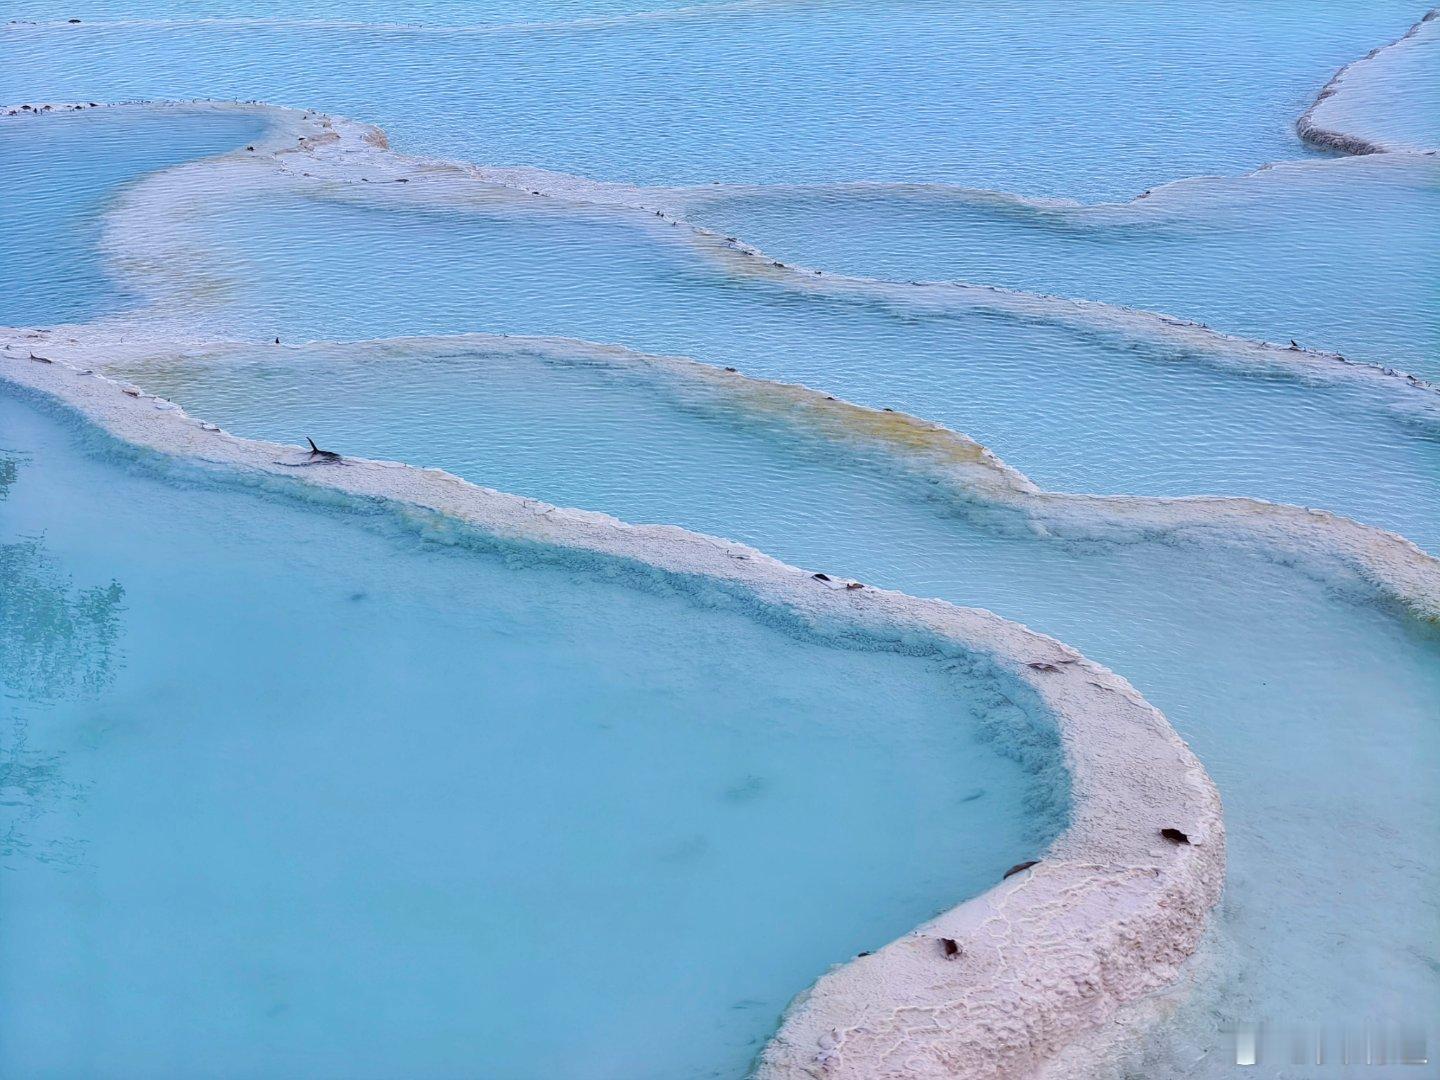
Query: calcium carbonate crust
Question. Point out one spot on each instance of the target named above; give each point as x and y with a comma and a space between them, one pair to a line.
1325, 545
1322, 127
1110, 913
315, 147
312, 149
1047, 957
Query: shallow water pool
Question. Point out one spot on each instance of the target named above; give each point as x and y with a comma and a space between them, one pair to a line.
1342, 255
1076, 411
59, 174
289, 791
203, 768
1317, 714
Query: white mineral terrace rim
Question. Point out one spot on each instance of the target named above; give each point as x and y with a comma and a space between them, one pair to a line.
1107, 916
1048, 955
306, 145
1315, 126
1317, 541
310, 145
1203, 342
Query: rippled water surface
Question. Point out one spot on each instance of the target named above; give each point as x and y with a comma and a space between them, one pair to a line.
1088, 100
59, 174
298, 793
1076, 411
307, 797
1342, 256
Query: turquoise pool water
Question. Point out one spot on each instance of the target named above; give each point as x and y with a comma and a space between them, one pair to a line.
1088, 100
59, 174
288, 791
1271, 677
260, 819
1341, 256
1046, 398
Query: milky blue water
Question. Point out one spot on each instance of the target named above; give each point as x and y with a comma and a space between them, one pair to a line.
290, 793
1076, 411
1343, 257
1088, 100
261, 821
1273, 678
59, 174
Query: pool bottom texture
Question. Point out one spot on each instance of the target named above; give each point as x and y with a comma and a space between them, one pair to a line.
61, 172
355, 260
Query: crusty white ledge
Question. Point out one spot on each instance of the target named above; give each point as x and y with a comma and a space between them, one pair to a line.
311, 147
1322, 544
1110, 913
1336, 122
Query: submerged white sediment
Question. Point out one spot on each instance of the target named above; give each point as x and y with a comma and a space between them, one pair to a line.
1381, 103
1199, 340
1129, 904
314, 152
1327, 546
1046, 956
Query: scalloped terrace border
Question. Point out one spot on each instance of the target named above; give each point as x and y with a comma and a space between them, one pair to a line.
1107, 916
1398, 569
307, 145
1045, 956
1318, 542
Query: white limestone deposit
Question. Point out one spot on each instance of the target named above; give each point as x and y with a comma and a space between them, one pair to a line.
1108, 915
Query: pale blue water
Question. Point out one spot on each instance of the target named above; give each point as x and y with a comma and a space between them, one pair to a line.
194, 892
309, 797
1075, 411
1272, 678
417, 13
1089, 100
1341, 257
59, 174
